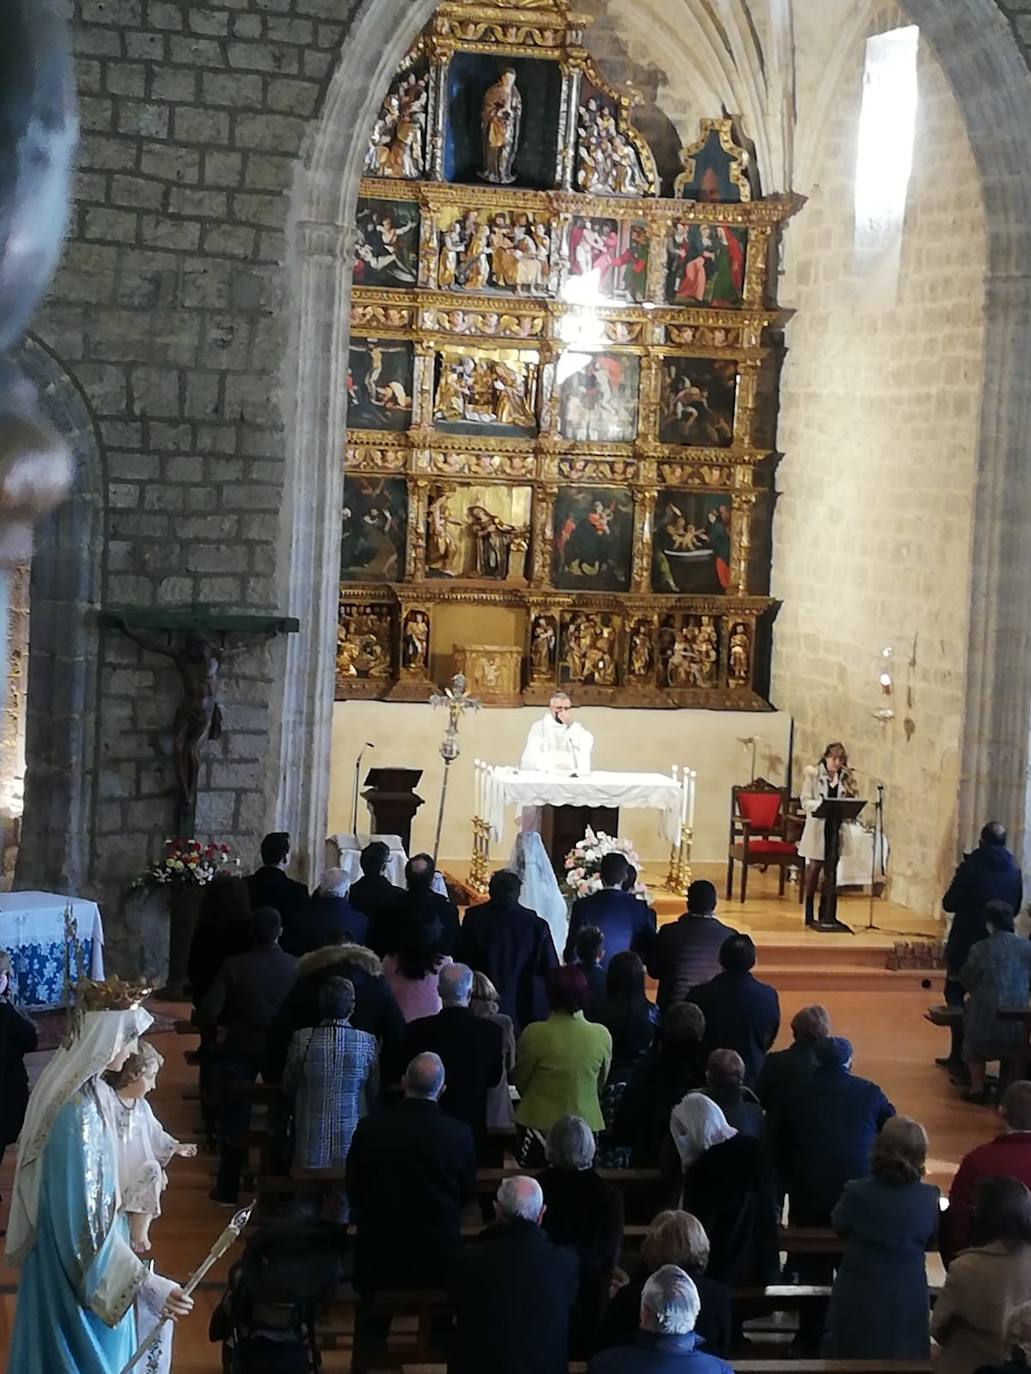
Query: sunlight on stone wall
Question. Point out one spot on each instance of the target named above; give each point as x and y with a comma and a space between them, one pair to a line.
873, 536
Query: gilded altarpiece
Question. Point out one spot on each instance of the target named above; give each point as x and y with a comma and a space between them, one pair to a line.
560, 374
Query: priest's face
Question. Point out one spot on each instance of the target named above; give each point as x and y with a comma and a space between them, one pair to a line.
561, 709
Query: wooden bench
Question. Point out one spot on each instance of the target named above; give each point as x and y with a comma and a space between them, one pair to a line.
418, 1310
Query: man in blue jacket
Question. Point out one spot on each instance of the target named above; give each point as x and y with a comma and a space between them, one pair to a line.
625, 921
988, 874
666, 1342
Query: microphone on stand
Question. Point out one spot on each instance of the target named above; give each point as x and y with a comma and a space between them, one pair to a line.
357, 773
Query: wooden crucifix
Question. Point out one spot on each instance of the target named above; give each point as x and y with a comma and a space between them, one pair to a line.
200, 655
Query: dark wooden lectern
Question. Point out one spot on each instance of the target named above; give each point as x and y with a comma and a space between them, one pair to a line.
564, 826
834, 811
390, 793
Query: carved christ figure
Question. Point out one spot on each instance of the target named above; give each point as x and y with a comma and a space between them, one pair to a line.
199, 715
500, 121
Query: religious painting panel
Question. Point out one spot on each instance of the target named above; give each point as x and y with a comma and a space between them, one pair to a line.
593, 539
486, 250
502, 120
688, 651
589, 648
691, 546
597, 396
608, 163
398, 146
705, 265
605, 259
380, 384
486, 391
363, 643
386, 244
697, 401
718, 170
543, 648
372, 537
479, 532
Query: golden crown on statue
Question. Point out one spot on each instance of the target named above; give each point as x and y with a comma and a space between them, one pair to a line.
113, 994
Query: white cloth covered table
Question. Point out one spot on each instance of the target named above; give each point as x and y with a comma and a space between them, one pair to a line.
345, 852
856, 860
32, 933
511, 787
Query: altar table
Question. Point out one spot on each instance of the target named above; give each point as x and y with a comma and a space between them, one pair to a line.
512, 787
32, 933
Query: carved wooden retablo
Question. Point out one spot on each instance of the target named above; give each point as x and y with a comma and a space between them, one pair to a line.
562, 384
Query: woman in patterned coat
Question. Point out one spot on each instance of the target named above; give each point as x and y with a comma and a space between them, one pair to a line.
331, 1074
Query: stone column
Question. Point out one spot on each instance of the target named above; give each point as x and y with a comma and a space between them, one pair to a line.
311, 526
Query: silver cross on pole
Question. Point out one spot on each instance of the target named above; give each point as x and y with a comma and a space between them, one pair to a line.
458, 701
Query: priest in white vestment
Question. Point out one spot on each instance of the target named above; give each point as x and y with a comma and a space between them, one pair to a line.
556, 743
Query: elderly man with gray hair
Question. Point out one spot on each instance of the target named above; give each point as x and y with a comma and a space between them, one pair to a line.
471, 1050
411, 1170
512, 1291
666, 1342
327, 918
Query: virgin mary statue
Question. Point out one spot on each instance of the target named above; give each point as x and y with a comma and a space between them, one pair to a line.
79, 1275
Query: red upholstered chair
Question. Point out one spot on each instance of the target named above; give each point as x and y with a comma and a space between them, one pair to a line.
762, 834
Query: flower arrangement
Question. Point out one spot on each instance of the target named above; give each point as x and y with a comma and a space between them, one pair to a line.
188, 863
583, 863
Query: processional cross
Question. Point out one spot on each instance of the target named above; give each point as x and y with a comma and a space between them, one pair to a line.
458, 701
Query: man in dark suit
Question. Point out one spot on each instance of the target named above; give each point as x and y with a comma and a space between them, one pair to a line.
686, 952
513, 1291
410, 1171
326, 919
385, 928
740, 1012
470, 1047
988, 874
826, 1133
626, 922
373, 892
269, 885
512, 945
244, 1001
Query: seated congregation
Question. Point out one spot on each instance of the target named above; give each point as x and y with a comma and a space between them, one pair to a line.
544, 1166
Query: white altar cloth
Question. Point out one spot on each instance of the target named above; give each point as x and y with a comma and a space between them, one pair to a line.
32, 933
511, 787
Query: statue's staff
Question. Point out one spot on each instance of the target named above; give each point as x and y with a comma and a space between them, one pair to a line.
225, 1242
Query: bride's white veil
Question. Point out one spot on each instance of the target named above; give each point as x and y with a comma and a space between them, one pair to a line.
540, 890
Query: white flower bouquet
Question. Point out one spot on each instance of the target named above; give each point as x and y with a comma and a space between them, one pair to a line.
583, 863
188, 863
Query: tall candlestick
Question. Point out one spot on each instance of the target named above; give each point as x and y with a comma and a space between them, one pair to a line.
685, 784
690, 811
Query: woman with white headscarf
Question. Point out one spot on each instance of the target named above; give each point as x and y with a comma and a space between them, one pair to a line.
725, 1179
79, 1275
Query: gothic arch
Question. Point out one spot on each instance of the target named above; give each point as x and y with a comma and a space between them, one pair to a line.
991, 82
63, 651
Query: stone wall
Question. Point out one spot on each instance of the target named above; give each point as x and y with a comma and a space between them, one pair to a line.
169, 310
873, 532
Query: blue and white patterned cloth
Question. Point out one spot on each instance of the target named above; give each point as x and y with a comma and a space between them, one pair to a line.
32, 933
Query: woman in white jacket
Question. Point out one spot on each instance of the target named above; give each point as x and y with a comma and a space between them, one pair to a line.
830, 778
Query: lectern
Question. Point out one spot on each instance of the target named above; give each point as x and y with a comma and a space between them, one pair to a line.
834, 812
390, 793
